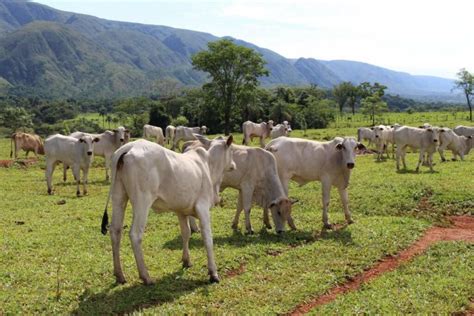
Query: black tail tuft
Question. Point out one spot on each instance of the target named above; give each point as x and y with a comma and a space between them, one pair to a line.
105, 222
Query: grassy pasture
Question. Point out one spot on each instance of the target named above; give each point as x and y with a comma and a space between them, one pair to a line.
53, 258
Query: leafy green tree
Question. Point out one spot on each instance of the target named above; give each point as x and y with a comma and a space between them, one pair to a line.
280, 111
234, 70
373, 106
158, 115
319, 113
366, 89
180, 120
342, 93
15, 118
465, 82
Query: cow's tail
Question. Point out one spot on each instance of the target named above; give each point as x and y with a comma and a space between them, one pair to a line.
358, 135
116, 165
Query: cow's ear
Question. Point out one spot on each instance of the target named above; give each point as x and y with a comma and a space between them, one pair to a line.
442, 130
81, 140
372, 128
470, 137
203, 139
429, 129
97, 139
127, 131
339, 146
229, 141
115, 130
361, 146
294, 201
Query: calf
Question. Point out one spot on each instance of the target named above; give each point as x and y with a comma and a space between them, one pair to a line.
151, 176
256, 179
183, 133
26, 142
426, 140
150, 131
459, 145
365, 134
71, 151
383, 136
110, 141
330, 163
279, 130
251, 130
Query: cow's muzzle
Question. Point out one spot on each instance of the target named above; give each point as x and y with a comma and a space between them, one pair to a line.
350, 165
376, 136
435, 140
122, 140
89, 153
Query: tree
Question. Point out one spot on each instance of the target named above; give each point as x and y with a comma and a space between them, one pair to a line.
342, 92
465, 82
158, 115
14, 118
234, 70
373, 106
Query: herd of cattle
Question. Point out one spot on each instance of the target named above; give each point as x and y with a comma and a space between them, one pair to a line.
151, 176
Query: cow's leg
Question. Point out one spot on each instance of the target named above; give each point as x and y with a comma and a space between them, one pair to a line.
192, 224
262, 142
205, 220
404, 153
119, 203
85, 179
430, 160
140, 214
441, 153
246, 197
345, 204
108, 159
235, 222
398, 155
76, 171
326, 198
185, 235
266, 218
50, 165
420, 159
65, 172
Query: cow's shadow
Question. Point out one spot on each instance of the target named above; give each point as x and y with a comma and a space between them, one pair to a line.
134, 298
291, 238
413, 171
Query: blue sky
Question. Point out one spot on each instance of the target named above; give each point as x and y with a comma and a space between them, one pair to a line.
415, 36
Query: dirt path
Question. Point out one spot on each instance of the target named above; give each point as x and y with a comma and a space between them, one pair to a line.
462, 229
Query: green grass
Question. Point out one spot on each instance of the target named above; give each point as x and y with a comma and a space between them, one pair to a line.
438, 282
53, 258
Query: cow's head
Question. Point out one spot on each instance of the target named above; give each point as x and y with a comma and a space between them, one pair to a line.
347, 147
433, 135
280, 210
378, 130
204, 130
122, 135
88, 143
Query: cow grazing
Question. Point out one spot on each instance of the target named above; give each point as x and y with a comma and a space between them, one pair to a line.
169, 134
151, 176
464, 130
252, 130
183, 133
365, 134
329, 162
110, 141
279, 130
459, 145
26, 142
77, 153
426, 140
256, 179
155, 132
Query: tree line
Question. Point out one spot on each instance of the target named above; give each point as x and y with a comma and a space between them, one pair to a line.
231, 96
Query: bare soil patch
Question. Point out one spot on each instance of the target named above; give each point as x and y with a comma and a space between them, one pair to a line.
462, 229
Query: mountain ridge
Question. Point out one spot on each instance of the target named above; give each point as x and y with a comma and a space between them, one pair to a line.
91, 56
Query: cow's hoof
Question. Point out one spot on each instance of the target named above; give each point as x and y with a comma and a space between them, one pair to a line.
78, 194
327, 226
187, 264
351, 221
50, 192
268, 226
214, 279
120, 280
148, 282
250, 232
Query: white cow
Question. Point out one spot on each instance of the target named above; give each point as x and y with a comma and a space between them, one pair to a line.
256, 179
279, 130
110, 141
459, 145
183, 133
464, 130
77, 153
151, 176
426, 140
150, 131
365, 134
251, 130
288, 126
169, 134
383, 136
304, 161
